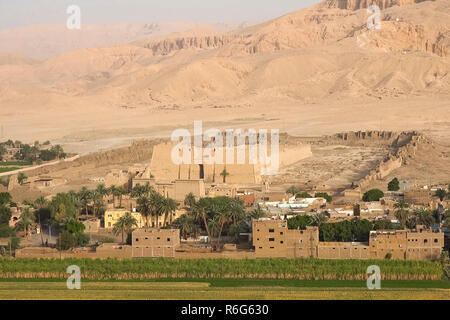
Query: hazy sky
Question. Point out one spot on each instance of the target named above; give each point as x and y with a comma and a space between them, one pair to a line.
15, 13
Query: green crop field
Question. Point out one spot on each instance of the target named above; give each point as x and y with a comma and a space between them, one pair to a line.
141, 269
221, 279
212, 290
8, 169
15, 163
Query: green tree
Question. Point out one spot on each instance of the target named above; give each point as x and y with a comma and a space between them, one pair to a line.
256, 213
141, 191
63, 209
441, 194
5, 198
421, 217
187, 226
120, 192
85, 196
402, 212
5, 215
125, 225
299, 222
26, 220
167, 207
293, 190
394, 185
373, 195
66, 240
303, 195
21, 177
324, 195
190, 200
40, 203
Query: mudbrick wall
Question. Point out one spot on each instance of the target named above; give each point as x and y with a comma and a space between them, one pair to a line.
405, 146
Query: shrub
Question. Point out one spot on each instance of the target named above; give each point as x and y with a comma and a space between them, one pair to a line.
299, 222
373, 195
108, 240
324, 195
303, 195
66, 241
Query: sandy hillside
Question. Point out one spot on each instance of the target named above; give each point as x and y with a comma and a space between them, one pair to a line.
314, 71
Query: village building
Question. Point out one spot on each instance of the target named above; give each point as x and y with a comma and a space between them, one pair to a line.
272, 238
112, 216
150, 243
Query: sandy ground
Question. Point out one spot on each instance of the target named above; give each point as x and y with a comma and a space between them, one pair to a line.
106, 128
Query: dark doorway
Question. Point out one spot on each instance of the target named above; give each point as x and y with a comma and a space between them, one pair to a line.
202, 172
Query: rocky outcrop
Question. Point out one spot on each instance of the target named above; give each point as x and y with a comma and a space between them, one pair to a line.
362, 4
166, 46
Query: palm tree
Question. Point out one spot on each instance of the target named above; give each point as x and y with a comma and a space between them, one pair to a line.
441, 194
318, 219
422, 217
125, 224
102, 190
40, 203
167, 206
155, 202
189, 200
98, 204
120, 192
237, 209
142, 190
224, 174
187, 225
85, 196
26, 220
112, 191
199, 212
144, 208
76, 200
402, 212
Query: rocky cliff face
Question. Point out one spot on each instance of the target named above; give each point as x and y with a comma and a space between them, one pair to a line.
362, 4
166, 46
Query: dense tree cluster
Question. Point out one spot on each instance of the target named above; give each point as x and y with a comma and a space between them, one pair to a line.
216, 217
33, 153
5, 230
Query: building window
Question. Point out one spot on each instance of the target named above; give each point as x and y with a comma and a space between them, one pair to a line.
436, 240
168, 239
281, 233
271, 230
271, 239
137, 239
425, 240
281, 242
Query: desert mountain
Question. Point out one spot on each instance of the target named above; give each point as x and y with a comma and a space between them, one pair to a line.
45, 41
311, 56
